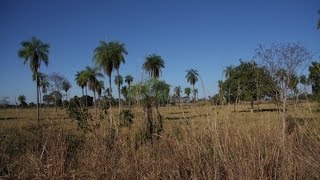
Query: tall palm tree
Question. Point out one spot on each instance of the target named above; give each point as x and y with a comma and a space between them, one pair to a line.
66, 86
34, 51
192, 78
102, 58
117, 52
81, 80
128, 79
92, 73
187, 91
153, 65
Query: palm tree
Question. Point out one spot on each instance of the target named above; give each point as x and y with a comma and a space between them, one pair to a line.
124, 92
99, 88
187, 91
128, 79
192, 78
102, 58
44, 84
66, 86
153, 65
34, 51
118, 80
81, 80
92, 74
117, 51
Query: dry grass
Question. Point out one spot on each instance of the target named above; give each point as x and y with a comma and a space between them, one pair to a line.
198, 142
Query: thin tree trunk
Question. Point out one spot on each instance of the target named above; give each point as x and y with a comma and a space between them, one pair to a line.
284, 103
40, 97
94, 96
37, 86
82, 91
119, 93
110, 88
86, 97
112, 125
194, 94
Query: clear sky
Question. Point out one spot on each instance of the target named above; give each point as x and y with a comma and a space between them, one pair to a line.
204, 35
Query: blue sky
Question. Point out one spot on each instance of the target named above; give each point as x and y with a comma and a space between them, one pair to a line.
204, 35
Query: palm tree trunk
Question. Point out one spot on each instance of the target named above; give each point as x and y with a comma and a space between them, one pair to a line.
86, 97
82, 91
37, 86
119, 93
94, 96
40, 96
194, 94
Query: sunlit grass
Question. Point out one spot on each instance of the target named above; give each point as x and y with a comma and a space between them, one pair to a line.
198, 142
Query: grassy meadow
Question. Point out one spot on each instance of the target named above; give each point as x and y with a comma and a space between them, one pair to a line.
200, 141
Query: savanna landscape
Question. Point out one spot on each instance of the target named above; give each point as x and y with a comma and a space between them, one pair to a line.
262, 122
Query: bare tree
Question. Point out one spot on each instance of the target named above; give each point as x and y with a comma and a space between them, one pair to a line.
56, 85
283, 60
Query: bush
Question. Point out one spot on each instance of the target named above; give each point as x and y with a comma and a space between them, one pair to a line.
126, 117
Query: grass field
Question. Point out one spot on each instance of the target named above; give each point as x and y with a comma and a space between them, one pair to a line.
198, 142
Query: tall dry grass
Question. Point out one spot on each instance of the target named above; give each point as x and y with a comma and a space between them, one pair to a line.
198, 142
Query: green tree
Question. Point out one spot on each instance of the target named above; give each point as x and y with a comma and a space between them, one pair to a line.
192, 78
153, 65
151, 93
92, 73
187, 91
66, 86
22, 100
34, 51
81, 80
99, 88
124, 92
118, 51
128, 79
247, 82
102, 58
314, 76
118, 80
